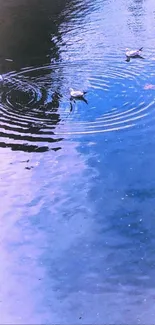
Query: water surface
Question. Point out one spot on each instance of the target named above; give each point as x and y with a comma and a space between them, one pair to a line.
77, 186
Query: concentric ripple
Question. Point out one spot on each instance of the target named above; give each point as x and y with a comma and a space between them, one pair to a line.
29, 112
117, 98
36, 112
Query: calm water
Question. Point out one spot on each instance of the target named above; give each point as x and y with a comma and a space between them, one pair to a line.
77, 226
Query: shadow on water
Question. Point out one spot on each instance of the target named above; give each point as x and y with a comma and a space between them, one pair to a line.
29, 112
28, 29
32, 33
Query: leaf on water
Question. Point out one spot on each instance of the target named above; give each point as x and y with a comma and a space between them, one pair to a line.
149, 86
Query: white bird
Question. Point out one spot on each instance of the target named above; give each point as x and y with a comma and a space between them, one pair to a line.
76, 93
133, 53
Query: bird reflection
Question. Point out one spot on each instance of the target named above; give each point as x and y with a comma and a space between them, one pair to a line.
128, 59
74, 100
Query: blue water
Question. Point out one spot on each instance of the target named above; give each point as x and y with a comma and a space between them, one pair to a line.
77, 226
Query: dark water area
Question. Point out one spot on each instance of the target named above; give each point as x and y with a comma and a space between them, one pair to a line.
77, 225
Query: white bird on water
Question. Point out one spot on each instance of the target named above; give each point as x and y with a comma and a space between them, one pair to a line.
76, 93
133, 53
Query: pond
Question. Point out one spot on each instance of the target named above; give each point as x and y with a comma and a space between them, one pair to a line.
77, 177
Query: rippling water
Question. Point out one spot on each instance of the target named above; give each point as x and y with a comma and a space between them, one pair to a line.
77, 179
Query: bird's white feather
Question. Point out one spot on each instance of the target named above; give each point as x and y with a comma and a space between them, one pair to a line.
133, 53
76, 93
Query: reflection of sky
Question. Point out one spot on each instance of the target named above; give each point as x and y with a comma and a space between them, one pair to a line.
44, 216
76, 243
